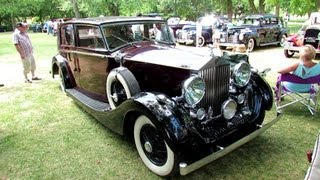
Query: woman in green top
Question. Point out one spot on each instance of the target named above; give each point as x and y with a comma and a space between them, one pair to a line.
305, 68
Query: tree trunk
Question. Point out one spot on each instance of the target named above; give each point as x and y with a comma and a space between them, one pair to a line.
75, 8
253, 7
277, 8
114, 8
229, 8
261, 6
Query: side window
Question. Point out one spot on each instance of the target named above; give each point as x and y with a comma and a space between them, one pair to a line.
265, 22
89, 37
274, 21
67, 35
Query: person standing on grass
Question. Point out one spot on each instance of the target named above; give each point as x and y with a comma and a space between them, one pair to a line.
24, 47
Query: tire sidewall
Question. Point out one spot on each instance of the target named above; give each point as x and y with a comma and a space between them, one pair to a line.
163, 170
62, 81
250, 44
201, 39
113, 77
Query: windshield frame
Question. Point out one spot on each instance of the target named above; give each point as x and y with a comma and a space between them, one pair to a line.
124, 32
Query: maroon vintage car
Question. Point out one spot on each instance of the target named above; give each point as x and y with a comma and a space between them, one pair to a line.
183, 110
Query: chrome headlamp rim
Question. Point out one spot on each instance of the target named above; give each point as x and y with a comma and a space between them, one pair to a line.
241, 74
187, 93
229, 109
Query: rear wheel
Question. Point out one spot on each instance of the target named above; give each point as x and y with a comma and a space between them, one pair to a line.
62, 81
201, 41
288, 53
152, 148
121, 85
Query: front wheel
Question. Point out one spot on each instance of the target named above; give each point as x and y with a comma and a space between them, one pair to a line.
250, 45
152, 148
288, 53
283, 40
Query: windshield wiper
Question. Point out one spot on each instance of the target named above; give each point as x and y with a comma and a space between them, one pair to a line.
119, 38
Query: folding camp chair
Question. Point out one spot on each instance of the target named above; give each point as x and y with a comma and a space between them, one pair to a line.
309, 99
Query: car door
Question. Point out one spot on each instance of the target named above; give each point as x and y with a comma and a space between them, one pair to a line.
265, 31
67, 47
91, 60
276, 27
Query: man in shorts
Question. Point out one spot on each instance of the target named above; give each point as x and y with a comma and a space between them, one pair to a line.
23, 45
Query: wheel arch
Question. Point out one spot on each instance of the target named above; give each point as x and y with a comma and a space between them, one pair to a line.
265, 89
59, 62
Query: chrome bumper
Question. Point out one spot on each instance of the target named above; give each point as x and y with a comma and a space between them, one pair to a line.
186, 169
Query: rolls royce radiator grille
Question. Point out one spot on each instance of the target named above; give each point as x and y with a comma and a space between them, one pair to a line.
217, 81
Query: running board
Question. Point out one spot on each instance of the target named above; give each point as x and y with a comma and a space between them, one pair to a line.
267, 44
93, 104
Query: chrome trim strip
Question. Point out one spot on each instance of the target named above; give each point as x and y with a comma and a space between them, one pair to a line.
186, 169
84, 53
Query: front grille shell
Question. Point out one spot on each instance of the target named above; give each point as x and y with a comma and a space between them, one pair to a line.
216, 75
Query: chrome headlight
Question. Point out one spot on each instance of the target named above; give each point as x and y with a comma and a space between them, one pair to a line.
193, 90
241, 36
241, 74
229, 109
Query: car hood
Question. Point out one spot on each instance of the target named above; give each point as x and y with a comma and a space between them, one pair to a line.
166, 55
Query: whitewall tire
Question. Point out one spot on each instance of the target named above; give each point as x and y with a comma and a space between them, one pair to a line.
120, 86
152, 148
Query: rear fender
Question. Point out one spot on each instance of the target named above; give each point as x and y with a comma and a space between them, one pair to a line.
59, 62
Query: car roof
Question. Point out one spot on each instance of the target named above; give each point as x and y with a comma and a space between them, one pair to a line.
112, 19
257, 16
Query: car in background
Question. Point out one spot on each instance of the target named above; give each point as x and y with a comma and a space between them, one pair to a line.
254, 30
309, 33
176, 23
311, 36
206, 25
181, 109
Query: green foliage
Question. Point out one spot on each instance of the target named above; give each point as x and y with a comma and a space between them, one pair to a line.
17, 10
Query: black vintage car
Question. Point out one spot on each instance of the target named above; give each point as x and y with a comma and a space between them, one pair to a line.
207, 25
183, 110
254, 30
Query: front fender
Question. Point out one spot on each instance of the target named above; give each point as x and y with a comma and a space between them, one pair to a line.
169, 117
265, 89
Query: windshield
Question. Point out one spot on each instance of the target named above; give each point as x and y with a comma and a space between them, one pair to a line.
119, 35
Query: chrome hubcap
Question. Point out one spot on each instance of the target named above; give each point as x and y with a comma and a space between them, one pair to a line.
148, 147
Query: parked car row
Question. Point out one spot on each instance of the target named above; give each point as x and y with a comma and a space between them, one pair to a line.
207, 25
254, 30
182, 110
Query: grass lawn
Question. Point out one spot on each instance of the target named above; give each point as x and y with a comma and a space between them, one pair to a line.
45, 135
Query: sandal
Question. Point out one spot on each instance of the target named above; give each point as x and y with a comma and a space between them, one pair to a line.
36, 78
